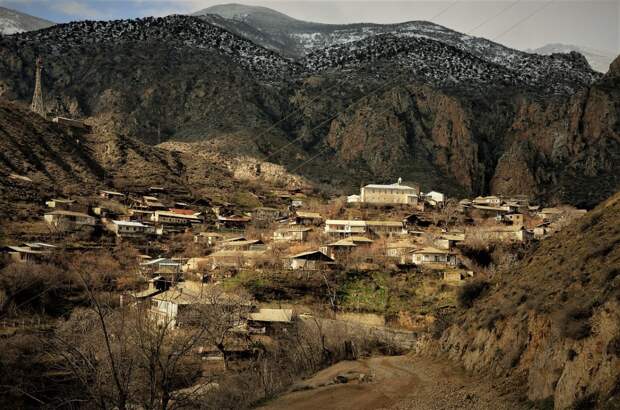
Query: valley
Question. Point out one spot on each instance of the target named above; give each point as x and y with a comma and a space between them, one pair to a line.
235, 209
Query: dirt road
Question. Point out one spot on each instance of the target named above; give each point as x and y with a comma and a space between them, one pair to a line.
396, 382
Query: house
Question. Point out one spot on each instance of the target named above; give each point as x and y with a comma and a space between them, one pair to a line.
267, 214
515, 219
174, 218
131, 229
502, 233
69, 219
311, 260
353, 199
106, 212
59, 203
449, 240
487, 200
354, 227
430, 255
141, 215
269, 321
111, 195
26, 253
293, 233
399, 249
340, 249
416, 219
542, 229
495, 211
436, 199
345, 227
208, 238
152, 203
161, 266
232, 222
237, 259
307, 218
184, 304
243, 245
389, 194
386, 228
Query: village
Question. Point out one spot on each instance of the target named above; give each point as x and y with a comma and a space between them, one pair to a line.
392, 227
377, 268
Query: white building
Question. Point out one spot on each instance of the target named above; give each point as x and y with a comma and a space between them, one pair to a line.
435, 198
131, 228
174, 218
390, 194
337, 227
430, 255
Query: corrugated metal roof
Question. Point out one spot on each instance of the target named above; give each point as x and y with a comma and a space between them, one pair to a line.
129, 223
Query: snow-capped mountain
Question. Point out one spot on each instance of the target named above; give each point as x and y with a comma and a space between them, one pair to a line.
599, 60
440, 63
181, 31
12, 22
433, 53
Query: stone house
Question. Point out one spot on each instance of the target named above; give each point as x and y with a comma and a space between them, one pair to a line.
311, 260
69, 220
433, 256
293, 233
390, 194
345, 228
307, 218
340, 249
130, 229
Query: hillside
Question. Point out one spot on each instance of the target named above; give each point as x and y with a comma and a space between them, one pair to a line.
40, 159
553, 321
12, 22
599, 60
374, 110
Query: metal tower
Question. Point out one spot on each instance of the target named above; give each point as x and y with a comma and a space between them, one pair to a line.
37, 99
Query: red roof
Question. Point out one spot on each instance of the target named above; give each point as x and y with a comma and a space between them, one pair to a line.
182, 211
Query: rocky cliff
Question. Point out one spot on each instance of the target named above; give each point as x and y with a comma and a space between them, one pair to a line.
553, 322
482, 118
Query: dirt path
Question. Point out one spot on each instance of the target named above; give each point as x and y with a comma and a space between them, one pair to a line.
397, 382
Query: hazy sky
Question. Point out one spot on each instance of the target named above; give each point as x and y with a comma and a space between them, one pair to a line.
517, 23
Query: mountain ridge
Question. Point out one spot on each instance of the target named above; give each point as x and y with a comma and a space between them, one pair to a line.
367, 117
13, 21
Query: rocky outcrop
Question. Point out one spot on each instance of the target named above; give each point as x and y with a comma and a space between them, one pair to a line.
553, 322
182, 79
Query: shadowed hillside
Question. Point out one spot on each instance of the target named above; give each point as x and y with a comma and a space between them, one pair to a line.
553, 320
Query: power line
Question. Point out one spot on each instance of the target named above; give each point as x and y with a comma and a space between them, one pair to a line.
443, 11
437, 15
523, 20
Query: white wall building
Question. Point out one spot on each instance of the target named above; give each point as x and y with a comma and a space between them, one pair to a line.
390, 194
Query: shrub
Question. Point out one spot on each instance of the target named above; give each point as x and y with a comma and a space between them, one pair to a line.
574, 322
470, 292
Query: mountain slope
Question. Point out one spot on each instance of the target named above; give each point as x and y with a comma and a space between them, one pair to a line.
39, 159
373, 110
599, 60
553, 321
149, 78
12, 22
